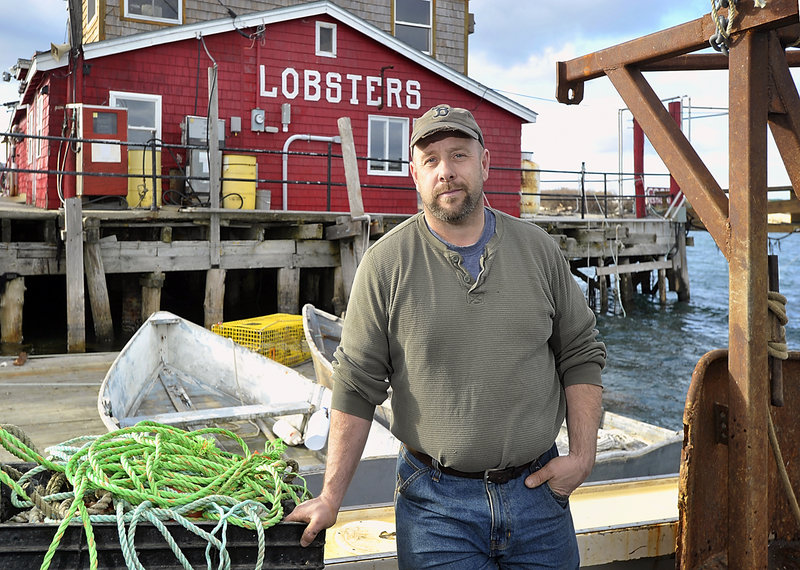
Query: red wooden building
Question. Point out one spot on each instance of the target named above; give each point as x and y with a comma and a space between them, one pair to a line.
284, 78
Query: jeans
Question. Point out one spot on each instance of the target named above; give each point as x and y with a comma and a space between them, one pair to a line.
444, 521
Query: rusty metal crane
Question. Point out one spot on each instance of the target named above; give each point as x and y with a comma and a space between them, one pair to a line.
732, 507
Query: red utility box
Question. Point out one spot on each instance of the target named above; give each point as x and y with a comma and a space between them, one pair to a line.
96, 124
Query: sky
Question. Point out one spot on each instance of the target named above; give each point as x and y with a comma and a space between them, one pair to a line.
514, 50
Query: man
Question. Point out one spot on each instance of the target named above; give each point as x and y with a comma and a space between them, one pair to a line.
487, 343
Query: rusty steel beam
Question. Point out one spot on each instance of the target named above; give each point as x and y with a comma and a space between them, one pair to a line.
675, 41
718, 61
683, 163
784, 120
707, 62
748, 448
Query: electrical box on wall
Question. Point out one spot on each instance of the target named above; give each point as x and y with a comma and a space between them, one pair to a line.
98, 124
286, 115
258, 119
194, 132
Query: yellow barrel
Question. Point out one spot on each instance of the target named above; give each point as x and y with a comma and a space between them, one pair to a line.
239, 193
140, 178
529, 198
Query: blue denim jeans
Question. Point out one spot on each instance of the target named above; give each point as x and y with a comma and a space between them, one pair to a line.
444, 521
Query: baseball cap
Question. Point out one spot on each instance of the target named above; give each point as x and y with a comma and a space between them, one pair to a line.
446, 118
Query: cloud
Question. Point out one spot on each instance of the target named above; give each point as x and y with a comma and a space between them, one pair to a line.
509, 30
515, 48
24, 30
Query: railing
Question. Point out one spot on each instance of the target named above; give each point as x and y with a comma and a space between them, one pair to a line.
542, 192
594, 193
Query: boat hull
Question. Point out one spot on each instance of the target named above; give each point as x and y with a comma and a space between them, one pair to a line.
177, 373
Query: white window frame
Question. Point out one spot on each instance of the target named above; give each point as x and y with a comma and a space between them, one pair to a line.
383, 169
328, 26
91, 10
40, 98
30, 127
428, 27
115, 96
151, 18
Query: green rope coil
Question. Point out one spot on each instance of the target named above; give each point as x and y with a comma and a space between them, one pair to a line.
155, 473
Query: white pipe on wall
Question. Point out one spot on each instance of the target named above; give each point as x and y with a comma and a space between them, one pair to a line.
289, 141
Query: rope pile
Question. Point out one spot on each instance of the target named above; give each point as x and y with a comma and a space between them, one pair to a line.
152, 473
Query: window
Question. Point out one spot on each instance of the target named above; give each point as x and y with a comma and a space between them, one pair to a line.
167, 11
91, 10
412, 23
144, 114
326, 39
388, 146
35, 148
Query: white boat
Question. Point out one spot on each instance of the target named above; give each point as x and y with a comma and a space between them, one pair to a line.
175, 372
323, 332
626, 448
621, 525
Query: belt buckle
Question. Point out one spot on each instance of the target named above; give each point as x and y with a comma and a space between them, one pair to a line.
501, 475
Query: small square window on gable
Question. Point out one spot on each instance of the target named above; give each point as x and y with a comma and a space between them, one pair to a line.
326, 39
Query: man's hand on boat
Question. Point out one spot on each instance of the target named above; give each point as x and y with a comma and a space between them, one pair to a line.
346, 441
319, 513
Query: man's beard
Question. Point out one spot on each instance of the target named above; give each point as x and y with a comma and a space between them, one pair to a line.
468, 206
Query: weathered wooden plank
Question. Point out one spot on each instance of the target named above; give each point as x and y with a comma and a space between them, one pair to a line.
151, 293
316, 253
289, 290
634, 267
76, 320
576, 251
215, 296
11, 302
33, 250
303, 231
137, 256
351, 167
346, 228
636, 238
98, 293
254, 254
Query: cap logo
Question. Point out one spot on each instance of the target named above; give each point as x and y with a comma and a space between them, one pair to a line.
441, 111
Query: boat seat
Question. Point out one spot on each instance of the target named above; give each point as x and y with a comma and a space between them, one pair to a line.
231, 413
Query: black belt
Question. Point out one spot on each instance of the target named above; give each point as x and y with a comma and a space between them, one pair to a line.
492, 475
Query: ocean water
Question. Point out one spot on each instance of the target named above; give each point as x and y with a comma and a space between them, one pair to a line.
653, 349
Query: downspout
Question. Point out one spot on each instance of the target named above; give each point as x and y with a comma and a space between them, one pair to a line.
288, 142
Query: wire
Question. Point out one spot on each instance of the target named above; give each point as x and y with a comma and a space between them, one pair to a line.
254, 36
548, 99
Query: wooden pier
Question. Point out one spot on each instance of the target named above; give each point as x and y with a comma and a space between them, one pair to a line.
123, 261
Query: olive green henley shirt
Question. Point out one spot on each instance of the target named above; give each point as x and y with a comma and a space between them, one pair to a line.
477, 367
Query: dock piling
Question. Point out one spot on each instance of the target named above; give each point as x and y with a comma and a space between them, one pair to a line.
11, 302
76, 318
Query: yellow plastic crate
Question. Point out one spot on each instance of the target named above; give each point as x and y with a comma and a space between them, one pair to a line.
279, 336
